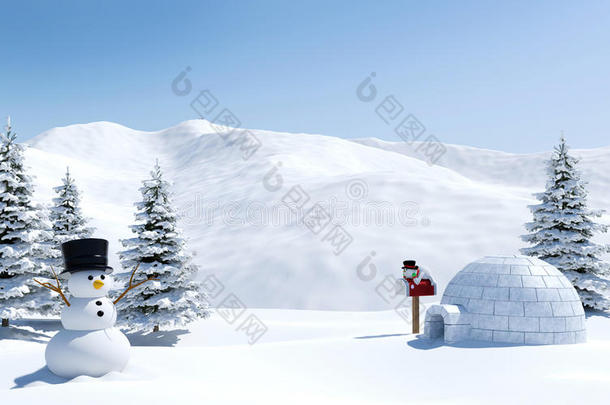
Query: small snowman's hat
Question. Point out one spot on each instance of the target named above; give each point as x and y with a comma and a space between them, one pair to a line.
409, 264
85, 254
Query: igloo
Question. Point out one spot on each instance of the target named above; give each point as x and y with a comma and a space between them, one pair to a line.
508, 299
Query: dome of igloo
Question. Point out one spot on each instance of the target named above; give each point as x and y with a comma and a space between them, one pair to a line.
516, 299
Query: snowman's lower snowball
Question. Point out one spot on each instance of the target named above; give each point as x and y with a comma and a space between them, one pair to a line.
71, 353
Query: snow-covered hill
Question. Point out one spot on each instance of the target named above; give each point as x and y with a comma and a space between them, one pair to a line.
510, 169
472, 204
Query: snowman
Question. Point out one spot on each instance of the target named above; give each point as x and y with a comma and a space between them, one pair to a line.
89, 344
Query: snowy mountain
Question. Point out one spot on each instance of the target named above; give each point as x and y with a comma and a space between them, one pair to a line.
473, 203
509, 169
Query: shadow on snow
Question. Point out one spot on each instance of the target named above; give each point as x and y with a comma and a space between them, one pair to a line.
41, 375
161, 338
30, 330
422, 343
381, 336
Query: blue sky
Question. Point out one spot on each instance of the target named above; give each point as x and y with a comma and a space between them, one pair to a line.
501, 75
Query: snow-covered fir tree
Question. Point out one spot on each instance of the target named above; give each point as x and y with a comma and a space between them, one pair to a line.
66, 215
66, 222
23, 238
46, 256
176, 298
562, 229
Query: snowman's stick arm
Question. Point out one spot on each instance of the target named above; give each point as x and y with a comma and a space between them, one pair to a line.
56, 288
132, 286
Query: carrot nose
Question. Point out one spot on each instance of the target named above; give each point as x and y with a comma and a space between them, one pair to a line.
97, 284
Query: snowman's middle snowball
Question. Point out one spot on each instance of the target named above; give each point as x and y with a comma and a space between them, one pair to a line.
89, 314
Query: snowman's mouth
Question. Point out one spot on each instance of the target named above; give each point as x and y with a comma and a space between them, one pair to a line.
97, 284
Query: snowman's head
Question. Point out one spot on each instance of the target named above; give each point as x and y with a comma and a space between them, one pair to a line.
89, 283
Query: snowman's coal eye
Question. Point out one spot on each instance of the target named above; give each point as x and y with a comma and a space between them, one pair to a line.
102, 277
90, 277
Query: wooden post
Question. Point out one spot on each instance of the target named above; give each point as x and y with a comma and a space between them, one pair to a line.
415, 315
4, 322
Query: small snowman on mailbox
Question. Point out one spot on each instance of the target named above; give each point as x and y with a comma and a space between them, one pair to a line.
89, 344
418, 283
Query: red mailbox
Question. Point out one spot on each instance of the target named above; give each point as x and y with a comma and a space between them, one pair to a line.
425, 287
418, 282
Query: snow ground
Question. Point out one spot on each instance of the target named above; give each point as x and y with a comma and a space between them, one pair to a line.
314, 357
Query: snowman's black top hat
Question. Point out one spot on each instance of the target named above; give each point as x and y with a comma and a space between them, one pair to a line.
409, 264
85, 254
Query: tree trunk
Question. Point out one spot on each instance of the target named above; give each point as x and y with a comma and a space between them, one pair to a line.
156, 328
4, 322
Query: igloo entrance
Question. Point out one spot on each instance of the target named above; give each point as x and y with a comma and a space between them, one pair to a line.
449, 322
436, 326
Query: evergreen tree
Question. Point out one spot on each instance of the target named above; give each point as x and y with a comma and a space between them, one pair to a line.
175, 299
562, 229
66, 223
66, 215
22, 238
47, 257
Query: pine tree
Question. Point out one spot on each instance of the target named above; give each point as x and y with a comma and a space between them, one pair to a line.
46, 256
159, 249
562, 229
22, 236
66, 215
66, 223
